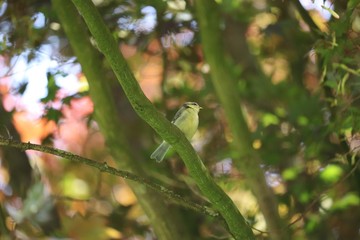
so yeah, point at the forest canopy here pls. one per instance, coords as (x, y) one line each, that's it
(88, 90)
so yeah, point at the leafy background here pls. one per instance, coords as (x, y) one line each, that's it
(297, 74)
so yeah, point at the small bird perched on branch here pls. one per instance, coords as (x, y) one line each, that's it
(187, 120)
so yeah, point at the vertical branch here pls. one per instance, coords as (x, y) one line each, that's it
(247, 159)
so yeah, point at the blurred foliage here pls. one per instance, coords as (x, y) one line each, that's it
(299, 87)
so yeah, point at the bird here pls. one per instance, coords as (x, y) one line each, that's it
(187, 120)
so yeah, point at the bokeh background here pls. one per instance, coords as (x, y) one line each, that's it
(295, 66)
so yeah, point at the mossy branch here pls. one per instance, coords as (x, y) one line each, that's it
(114, 128)
(107, 45)
(246, 159)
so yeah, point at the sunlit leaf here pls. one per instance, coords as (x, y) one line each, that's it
(74, 187)
(331, 173)
(302, 120)
(350, 199)
(112, 233)
(269, 119)
(257, 144)
(290, 173)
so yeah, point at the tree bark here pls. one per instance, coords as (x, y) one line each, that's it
(166, 221)
(246, 160)
(170, 133)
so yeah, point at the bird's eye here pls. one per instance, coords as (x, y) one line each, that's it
(188, 104)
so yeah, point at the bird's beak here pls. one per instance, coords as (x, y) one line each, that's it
(201, 108)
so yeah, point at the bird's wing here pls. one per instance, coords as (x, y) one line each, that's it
(177, 115)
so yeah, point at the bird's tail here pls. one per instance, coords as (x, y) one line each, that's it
(160, 152)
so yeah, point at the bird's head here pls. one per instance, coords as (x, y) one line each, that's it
(192, 105)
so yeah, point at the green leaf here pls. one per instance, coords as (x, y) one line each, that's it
(290, 173)
(331, 83)
(51, 87)
(302, 120)
(331, 173)
(53, 114)
(304, 197)
(312, 223)
(350, 199)
(269, 119)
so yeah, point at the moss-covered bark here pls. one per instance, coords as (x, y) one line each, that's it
(105, 42)
(165, 221)
(224, 82)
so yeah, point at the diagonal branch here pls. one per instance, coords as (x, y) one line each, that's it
(103, 167)
(107, 45)
(114, 126)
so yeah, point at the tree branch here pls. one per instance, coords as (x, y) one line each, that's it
(103, 167)
(170, 133)
(246, 160)
(116, 130)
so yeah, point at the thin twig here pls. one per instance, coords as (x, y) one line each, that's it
(317, 199)
(103, 167)
(260, 231)
(11, 67)
(9, 72)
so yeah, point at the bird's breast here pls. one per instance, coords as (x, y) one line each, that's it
(188, 124)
